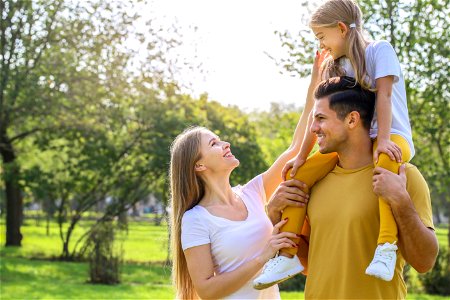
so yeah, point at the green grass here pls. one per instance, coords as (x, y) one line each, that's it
(35, 279)
(143, 276)
(144, 242)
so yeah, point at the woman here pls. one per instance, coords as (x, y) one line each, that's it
(220, 235)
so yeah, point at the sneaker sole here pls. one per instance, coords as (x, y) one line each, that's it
(263, 286)
(379, 276)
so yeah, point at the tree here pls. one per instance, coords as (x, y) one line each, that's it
(275, 129)
(65, 66)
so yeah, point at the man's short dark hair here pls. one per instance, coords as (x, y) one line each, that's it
(346, 95)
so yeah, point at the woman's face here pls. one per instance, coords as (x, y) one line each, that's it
(331, 39)
(216, 155)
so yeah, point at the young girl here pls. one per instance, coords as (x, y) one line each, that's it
(221, 236)
(337, 24)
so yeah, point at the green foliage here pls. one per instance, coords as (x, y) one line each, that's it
(275, 129)
(296, 283)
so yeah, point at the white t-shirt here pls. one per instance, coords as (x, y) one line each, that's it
(233, 243)
(381, 61)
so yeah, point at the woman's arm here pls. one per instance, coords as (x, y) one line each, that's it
(211, 285)
(384, 119)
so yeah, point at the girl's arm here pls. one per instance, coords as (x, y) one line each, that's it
(211, 285)
(384, 119)
(271, 177)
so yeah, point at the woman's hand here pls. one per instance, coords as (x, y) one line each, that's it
(293, 164)
(388, 147)
(278, 241)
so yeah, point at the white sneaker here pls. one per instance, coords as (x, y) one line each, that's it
(383, 263)
(276, 270)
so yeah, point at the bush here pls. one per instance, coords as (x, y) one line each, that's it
(104, 261)
(296, 283)
(437, 281)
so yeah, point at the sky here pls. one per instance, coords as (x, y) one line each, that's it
(230, 42)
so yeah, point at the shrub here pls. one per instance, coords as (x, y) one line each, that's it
(104, 261)
(296, 283)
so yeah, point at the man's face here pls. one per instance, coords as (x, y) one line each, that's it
(331, 132)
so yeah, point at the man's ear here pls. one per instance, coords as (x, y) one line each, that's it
(343, 28)
(353, 119)
(199, 167)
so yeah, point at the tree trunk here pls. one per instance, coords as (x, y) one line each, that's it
(48, 225)
(448, 232)
(66, 254)
(14, 201)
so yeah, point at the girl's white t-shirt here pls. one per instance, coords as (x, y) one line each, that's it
(233, 243)
(382, 61)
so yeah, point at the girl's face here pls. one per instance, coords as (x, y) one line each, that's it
(216, 155)
(332, 39)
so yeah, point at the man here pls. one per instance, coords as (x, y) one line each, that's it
(340, 234)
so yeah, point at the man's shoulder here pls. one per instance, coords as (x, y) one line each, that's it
(412, 170)
(414, 178)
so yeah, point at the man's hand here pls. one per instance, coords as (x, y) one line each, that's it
(291, 192)
(390, 186)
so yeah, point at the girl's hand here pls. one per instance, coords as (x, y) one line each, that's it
(388, 147)
(294, 163)
(318, 60)
(278, 241)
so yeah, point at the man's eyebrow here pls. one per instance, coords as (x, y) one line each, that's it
(318, 115)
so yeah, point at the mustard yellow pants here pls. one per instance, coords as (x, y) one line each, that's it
(318, 165)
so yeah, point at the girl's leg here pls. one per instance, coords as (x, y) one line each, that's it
(383, 263)
(316, 167)
(287, 263)
(388, 227)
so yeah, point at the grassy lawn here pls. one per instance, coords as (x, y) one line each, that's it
(25, 275)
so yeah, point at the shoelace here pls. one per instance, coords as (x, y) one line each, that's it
(269, 266)
(383, 256)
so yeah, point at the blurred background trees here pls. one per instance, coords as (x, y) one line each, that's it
(90, 104)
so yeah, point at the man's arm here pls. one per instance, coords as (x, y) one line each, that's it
(291, 193)
(417, 242)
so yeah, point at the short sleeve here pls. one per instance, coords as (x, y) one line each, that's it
(420, 194)
(385, 61)
(194, 232)
(256, 187)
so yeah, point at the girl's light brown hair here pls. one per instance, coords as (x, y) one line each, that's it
(348, 12)
(186, 189)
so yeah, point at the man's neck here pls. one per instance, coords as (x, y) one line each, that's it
(356, 154)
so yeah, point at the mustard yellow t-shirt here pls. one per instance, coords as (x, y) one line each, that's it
(344, 223)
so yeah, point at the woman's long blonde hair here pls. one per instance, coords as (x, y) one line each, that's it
(348, 12)
(186, 189)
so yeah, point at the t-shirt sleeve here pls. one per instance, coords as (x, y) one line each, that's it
(385, 62)
(194, 232)
(420, 194)
(256, 187)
